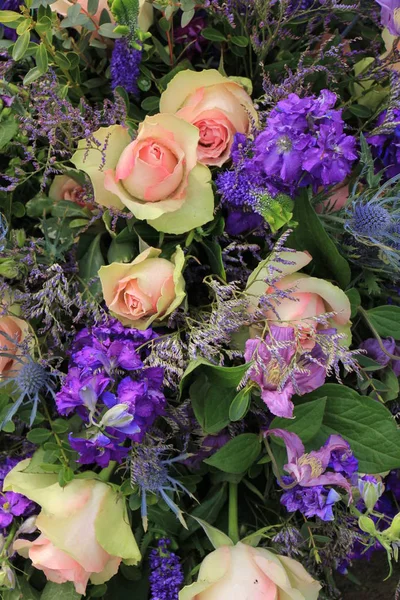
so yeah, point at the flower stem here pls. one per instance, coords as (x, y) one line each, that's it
(106, 473)
(233, 525)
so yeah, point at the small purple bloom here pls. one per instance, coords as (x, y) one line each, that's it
(125, 66)
(99, 449)
(166, 573)
(13, 505)
(80, 391)
(190, 36)
(375, 352)
(317, 501)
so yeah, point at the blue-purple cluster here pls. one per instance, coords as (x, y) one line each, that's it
(386, 145)
(166, 574)
(318, 500)
(125, 66)
(302, 143)
(12, 504)
(108, 385)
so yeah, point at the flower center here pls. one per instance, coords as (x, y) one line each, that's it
(313, 462)
(284, 144)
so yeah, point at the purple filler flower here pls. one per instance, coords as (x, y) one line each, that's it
(390, 15)
(310, 469)
(125, 66)
(317, 501)
(166, 574)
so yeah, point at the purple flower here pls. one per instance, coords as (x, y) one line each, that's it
(375, 352)
(191, 36)
(13, 505)
(6, 466)
(125, 66)
(386, 146)
(99, 449)
(310, 469)
(390, 15)
(80, 391)
(239, 222)
(10, 34)
(272, 369)
(166, 574)
(317, 501)
(304, 143)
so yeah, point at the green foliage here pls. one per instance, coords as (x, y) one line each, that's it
(237, 455)
(386, 320)
(311, 236)
(55, 591)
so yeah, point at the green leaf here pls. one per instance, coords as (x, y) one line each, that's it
(240, 40)
(306, 423)
(55, 591)
(214, 256)
(21, 46)
(360, 111)
(8, 128)
(355, 300)
(237, 455)
(366, 424)
(212, 392)
(151, 104)
(38, 436)
(209, 509)
(311, 236)
(61, 60)
(107, 30)
(240, 405)
(9, 16)
(216, 537)
(93, 6)
(386, 320)
(42, 60)
(32, 75)
(161, 50)
(391, 381)
(213, 35)
(90, 264)
(187, 16)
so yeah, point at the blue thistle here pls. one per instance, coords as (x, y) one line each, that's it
(375, 222)
(125, 66)
(151, 474)
(29, 380)
(166, 574)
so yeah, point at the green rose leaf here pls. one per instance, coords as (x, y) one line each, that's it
(366, 424)
(212, 392)
(237, 455)
(55, 591)
(386, 320)
(306, 423)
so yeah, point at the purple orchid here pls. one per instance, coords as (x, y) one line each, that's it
(390, 15)
(273, 371)
(310, 469)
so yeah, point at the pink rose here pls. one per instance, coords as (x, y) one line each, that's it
(144, 290)
(156, 176)
(309, 297)
(13, 331)
(244, 573)
(218, 106)
(85, 533)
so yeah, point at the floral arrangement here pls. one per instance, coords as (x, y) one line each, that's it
(200, 297)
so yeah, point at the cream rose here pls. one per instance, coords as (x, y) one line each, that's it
(13, 331)
(216, 105)
(145, 290)
(309, 297)
(64, 187)
(156, 176)
(84, 528)
(244, 573)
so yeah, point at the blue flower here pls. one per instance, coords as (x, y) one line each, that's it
(166, 573)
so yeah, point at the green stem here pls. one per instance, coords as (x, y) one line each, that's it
(106, 473)
(9, 539)
(233, 526)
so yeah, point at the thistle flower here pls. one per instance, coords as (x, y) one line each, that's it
(29, 380)
(150, 472)
(166, 574)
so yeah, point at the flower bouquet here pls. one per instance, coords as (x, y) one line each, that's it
(200, 297)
